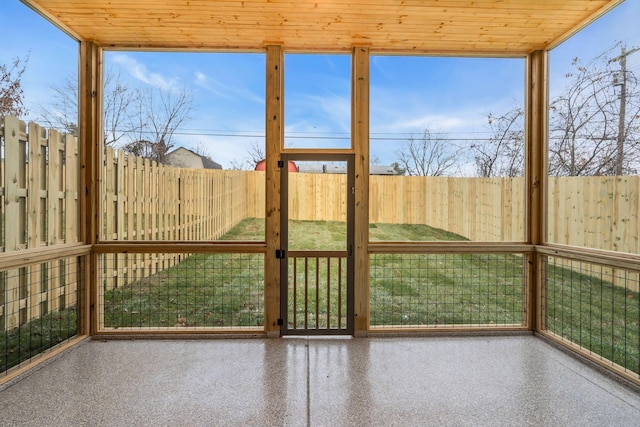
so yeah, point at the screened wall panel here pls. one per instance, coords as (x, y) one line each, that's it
(169, 291)
(447, 148)
(448, 290)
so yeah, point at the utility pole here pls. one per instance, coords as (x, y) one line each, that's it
(623, 107)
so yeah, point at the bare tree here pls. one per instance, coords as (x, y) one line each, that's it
(159, 112)
(201, 150)
(141, 148)
(502, 155)
(584, 122)
(62, 112)
(11, 93)
(427, 155)
(118, 99)
(254, 155)
(140, 121)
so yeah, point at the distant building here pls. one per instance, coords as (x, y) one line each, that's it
(185, 158)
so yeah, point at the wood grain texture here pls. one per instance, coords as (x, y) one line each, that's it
(360, 131)
(536, 179)
(274, 142)
(430, 26)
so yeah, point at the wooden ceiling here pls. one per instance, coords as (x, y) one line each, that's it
(473, 27)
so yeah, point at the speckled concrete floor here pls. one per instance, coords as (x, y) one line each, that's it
(493, 381)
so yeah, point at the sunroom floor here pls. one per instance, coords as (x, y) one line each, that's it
(518, 380)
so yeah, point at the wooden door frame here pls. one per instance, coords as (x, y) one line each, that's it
(349, 158)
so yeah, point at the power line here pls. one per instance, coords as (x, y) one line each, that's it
(318, 137)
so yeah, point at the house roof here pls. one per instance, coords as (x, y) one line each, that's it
(475, 27)
(207, 163)
(210, 164)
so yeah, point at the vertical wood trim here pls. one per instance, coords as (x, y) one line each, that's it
(274, 126)
(536, 176)
(89, 110)
(36, 137)
(72, 168)
(360, 144)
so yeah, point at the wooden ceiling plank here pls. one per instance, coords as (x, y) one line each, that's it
(486, 26)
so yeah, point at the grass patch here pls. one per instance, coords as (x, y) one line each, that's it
(202, 290)
(446, 289)
(411, 232)
(20, 344)
(595, 314)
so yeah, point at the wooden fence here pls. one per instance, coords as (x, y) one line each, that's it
(481, 209)
(593, 212)
(143, 200)
(39, 176)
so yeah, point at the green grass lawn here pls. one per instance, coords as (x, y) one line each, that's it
(27, 341)
(226, 290)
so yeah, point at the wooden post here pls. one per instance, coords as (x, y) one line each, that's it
(536, 178)
(120, 215)
(360, 137)
(53, 214)
(37, 166)
(72, 167)
(15, 192)
(110, 213)
(90, 142)
(274, 126)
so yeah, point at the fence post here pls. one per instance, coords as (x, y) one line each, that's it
(72, 210)
(15, 199)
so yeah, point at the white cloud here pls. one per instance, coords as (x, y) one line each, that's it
(139, 71)
(224, 89)
(437, 121)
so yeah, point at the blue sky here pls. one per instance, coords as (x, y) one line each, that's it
(452, 96)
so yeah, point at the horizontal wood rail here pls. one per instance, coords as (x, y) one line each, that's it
(622, 260)
(448, 247)
(317, 254)
(316, 154)
(17, 259)
(181, 247)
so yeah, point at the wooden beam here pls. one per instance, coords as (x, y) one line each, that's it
(90, 111)
(172, 246)
(360, 137)
(39, 9)
(625, 261)
(449, 248)
(576, 28)
(536, 177)
(274, 136)
(17, 259)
